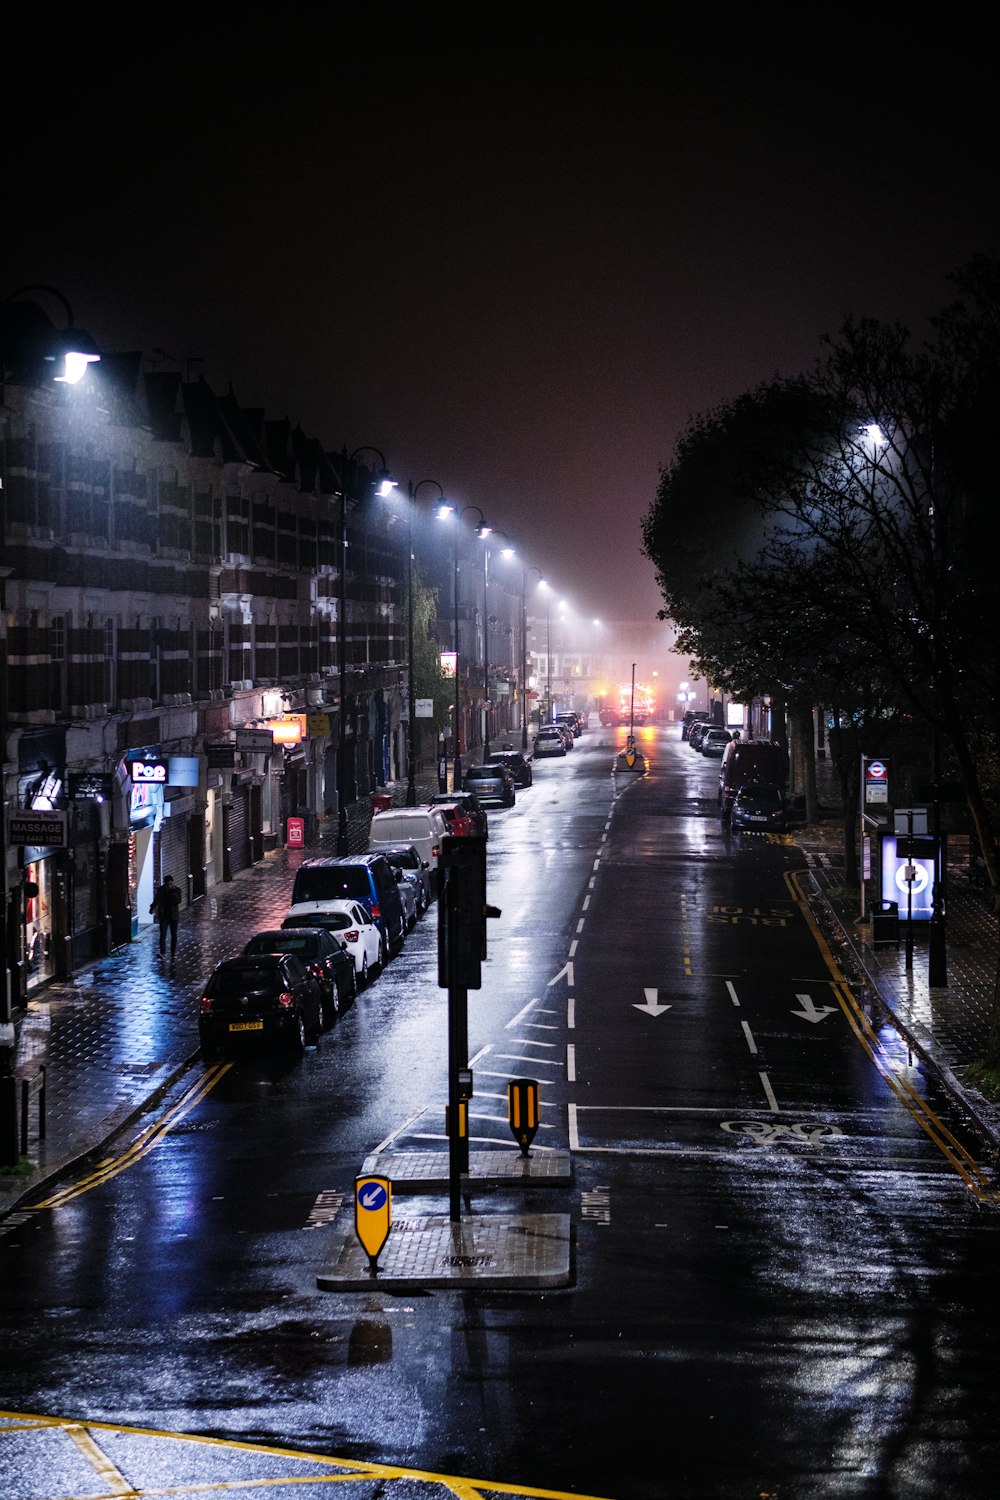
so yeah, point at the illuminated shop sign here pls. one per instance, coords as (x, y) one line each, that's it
(149, 772)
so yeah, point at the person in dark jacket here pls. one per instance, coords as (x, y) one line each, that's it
(166, 908)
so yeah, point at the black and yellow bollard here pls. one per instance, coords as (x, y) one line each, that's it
(522, 1111)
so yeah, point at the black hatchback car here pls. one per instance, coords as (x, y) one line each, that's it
(323, 955)
(269, 995)
(517, 764)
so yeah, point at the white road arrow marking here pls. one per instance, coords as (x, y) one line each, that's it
(811, 1011)
(651, 1007)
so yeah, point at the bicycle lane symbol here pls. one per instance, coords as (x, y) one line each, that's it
(771, 1132)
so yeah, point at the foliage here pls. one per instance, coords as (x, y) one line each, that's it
(830, 538)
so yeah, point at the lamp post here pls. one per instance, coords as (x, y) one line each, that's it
(385, 486)
(506, 551)
(411, 767)
(445, 512)
(524, 650)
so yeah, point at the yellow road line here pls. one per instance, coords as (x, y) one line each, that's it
(99, 1461)
(958, 1157)
(143, 1144)
(462, 1487)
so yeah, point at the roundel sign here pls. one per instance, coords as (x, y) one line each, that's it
(877, 770)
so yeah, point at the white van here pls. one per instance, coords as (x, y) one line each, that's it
(423, 827)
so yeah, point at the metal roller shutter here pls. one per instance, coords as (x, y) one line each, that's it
(239, 831)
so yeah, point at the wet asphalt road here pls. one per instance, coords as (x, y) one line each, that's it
(782, 1284)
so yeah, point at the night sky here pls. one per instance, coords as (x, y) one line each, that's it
(514, 247)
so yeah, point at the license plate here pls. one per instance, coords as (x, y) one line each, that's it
(246, 1025)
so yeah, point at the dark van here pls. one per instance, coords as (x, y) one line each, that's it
(749, 760)
(366, 878)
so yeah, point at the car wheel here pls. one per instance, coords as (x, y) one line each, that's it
(331, 1006)
(297, 1038)
(347, 989)
(383, 955)
(363, 976)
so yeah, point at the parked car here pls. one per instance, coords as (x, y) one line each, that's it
(517, 764)
(759, 806)
(692, 717)
(423, 827)
(271, 995)
(571, 722)
(458, 822)
(408, 896)
(469, 803)
(406, 857)
(714, 742)
(492, 783)
(365, 878)
(351, 924)
(698, 732)
(749, 760)
(569, 738)
(324, 956)
(549, 741)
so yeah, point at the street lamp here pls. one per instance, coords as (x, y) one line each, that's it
(446, 511)
(385, 484)
(524, 650)
(411, 763)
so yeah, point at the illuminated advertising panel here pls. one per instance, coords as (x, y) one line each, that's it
(896, 887)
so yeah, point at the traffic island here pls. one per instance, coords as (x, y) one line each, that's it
(509, 1251)
(424, 1171)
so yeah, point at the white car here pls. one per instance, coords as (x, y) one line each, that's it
(350, 924)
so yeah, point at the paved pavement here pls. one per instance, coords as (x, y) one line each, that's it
(121, 1032)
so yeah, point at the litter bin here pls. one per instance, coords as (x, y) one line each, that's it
(885, 923)
(381, 802)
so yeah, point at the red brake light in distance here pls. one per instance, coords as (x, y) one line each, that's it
(376, 913)
(206, 1005)
(286, 999)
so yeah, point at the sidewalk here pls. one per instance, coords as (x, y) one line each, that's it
(946, 1027)
(118, 1034)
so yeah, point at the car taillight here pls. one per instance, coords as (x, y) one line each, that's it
(376, 913)
(316, 970)
(435, 851)
(352, 936)
(286, 999)
(206, 1005)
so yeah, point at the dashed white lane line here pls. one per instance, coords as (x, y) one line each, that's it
(580, 924)
(571, 1014)
(769, 1094)
(749, 1036)
(571, 1063)
(586, 902)
(572, 948)
(732, 992)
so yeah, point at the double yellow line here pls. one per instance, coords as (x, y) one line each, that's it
(144, 1143)
(970, 1171)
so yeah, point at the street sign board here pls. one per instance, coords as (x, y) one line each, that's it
(255, 741)
(372, 1213)
(911, 821)
(423, 708)
(37, 830)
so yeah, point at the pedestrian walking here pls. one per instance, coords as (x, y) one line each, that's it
(165, 908)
